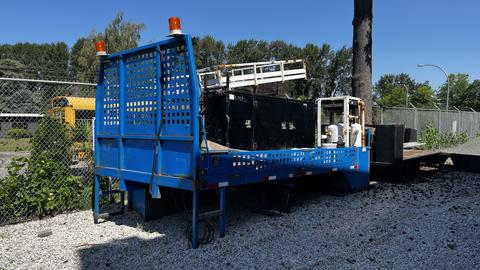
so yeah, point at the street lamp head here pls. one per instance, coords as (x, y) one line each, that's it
(420, 65)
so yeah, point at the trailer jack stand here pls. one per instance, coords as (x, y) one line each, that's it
(97, 194)
(196, 216)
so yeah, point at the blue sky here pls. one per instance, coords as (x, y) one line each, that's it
(405, 33)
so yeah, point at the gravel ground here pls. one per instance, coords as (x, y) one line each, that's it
(469, 148)
(6, 158)
(430, 223)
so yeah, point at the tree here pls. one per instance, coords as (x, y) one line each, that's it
(394, 98)
(84, 61)
(280, 50)
(423, 97)
(339, 72)
(317, 60)
(388, 82)
(208, 51)
(390, 91)
(246, 51)
(38, 61)
(362, 54)
(121, 35)
(459, 91)
(473, 100)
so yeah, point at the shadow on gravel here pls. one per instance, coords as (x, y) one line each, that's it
(247, 205)
(429, 222)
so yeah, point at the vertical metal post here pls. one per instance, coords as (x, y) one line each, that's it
(195, 212)
(319, 123)
(227, 111)
(253, 118)
(415, 116)
(158, 125)
(121, 156)
(223, 209)
(195, 131)
(459, 120)
(122, 201)
(96, 152)
(439, 131)
(346, 126)
(381, 115)
(96, 199)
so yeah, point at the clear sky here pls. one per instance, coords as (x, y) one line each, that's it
(405, 32)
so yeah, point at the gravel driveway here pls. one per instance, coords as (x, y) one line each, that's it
(470, 148)
(430, 223)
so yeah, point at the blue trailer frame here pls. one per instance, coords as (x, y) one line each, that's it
(148, 131)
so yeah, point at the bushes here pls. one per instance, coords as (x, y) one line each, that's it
(433, 140)
(43, 184)
(38, 189)
(18, 133)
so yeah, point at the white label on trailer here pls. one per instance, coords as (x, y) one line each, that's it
(364, 149)
(231, 96)
(290, 175)
(308, 173)
(223, 184)
(272, 177)
(334, 169)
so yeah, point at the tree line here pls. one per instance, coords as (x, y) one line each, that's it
(329, 71)
(400, 90)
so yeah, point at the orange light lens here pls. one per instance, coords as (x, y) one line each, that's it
(100, 46)
(174, 23)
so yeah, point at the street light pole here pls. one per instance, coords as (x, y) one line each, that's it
(406, 95)
(446, 75)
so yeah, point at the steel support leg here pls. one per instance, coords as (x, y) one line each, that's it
(96, 199)
(223, 208)
(122, 201)
(195, 212)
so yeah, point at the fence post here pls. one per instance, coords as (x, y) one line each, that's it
(475, 126)
(381, 115)
(459, 119)
(439, 131)
(415, 116)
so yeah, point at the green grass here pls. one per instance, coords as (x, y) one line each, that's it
(12, 145)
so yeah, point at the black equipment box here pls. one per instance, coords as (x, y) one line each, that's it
(253, 122)
(389, 143)
(410, 135)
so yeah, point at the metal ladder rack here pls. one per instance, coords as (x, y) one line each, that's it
(251, 74)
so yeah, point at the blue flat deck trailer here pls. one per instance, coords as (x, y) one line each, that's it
(149, 128)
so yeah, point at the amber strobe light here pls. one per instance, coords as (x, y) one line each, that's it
(100, 48)
(174, 25)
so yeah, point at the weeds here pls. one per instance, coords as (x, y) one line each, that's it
(434, 140)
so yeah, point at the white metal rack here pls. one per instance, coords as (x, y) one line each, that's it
(251, 74)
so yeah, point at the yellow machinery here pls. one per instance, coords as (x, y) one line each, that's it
(70, 110)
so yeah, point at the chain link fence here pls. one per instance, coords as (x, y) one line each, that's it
(46, 149)
(445, 122)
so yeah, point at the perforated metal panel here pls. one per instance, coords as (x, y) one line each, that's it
(247, 167)
(176, 97)
(149, 129)
(141, 92)
(111, 99)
